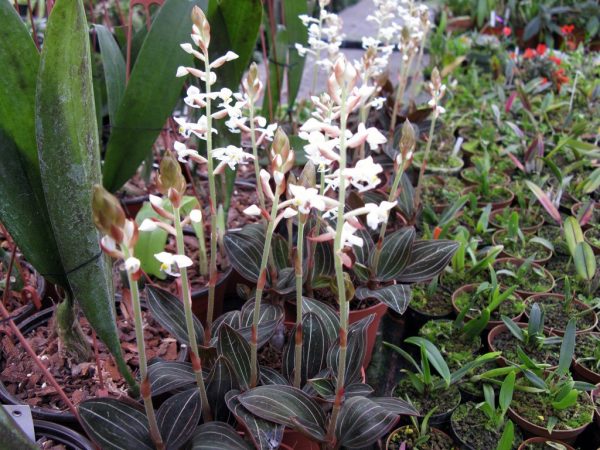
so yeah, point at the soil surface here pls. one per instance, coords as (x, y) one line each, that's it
(511, 307)
(587, 345)
(557, 317)
(453, 345)
(471, 427)
(436, 304)
(409, 434)
(445, 400)
(508, 344)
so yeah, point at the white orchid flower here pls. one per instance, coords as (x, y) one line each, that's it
(370, 135)
(132, 265)
(229, 56)
(252, 210)
(304, 199)
(196, 216)
(230, 156)
(148, 225)
(348, 237)
(364, 176)
(183, 153)
(376, 214)
(168, 261)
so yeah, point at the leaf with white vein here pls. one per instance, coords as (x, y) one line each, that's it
(428, 259)
(178, 417)
(396, 296)
(218, 436)
(395, 254)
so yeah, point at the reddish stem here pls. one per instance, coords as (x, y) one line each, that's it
(97, 356)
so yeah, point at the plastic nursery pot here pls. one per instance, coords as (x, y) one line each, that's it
(518, 262)
(495, 205)
(580, 369)
(504, 178)
(575, 210)
(497, 240)
(436, 431)
(531, 229)
(379, 309)
(562, 435)
(594, 395)
(494, 332)
(40, 288)
(541, 440)
(294, 439)
(469, 288)
(60, 434)
(539, 298)
(200, 297)
(588, 234)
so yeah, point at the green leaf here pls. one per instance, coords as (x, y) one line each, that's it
(11, 434)
(166, 376)
(218, 436)
(506, 392)
(433, 355)
(514, 329)
(114, 69)
(236, 349)
(567, 348)
(567, 401)
(428, 259)
(151, 93)
(573, 234)
(297, 33)
(362, 421)
(67, 137)
(178, 416)
(395, 296)
(23, 208)
(508, 436)
(287, 406)
(262, 432)
(115, 425)
(395, 254)
(323, 261)
(585, 261)
(168, 311)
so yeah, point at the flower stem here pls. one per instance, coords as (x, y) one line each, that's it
(339, 273)
(261, 195)
(399, 95)
(189, 319)
(299, 275)
(260, 286)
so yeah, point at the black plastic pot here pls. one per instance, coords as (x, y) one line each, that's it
(61, 435)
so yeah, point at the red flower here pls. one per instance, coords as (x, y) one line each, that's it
(555, 60)
(567, 29)
(560, 78)
(544, 80)
(529, 53)
(506, 31)
(541, 49)
(436, 232)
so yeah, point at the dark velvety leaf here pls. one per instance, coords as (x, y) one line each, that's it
(178, 417)
(396, 296)
(220, 381)
(267, 312)
(218, 436)
(395, 254)
(115, 425)
(352, 390)
(245, 253)
(286, 281)
(362, 422)
(280, 252)
(357, 338)
(231, 318)
(323, 260)
(264, 434)
(406, 198)
(166, 376)
(315, 344)
(286, 405)
(266, 330)
(428, 259)
(324, 387)
(395, 405)
(168, 310)
(236, 349)
(270, 376)
(326, 313)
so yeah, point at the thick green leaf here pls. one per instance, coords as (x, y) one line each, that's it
(315, 344)
(217, 436)
(297, 34)
(178, 417)
(573, 234)
(236, 349)
(23, 209)
(11, 435)
(508, 436)
(264, 434)
(150, 243)
(395, 296)
(220, 381)
(114, 70)
(395, 254)
(362, 422)
(287, 406)
(166, 376)
(115, 425)
(151, 93)
(428, 259)
(585, 261)
(245, 254)
(67, 137)
(433, 355)
(169, 312)
(567, 348)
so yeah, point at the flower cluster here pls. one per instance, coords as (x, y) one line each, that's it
(540, 63)
(437, 91)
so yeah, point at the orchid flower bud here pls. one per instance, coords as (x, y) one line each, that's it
(108, 213)
(345, 73)
(308, 176)
(282, 156)
(436, 79)
(252, 83)
(170, 177)
(408, 139)
(201, 27)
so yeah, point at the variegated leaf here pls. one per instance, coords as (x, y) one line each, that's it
(280, 252)
(167, 376)
(178, 417)
(395, 405)
(265, 435)
(267, 312)
(221, 380)
(244, 251)
(231, 318)
(326, 313)
(357, 339)
(287, 406)
(265, 331)
(396, 296)
(218, 436)
(236, 349)
(395, 254)
(271, 376)
(323, 259)
(428, 259)
(362, 421)
(168, 311)
(115, 425)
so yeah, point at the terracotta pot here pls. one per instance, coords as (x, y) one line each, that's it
(298, 441)
(541, 440)
(431, 430)
(584, 372)
(132, 205)
(501, 360)
(200, 297)
(496, 205)
(497, 241)
(460, 24)
(538, 298)
(568, 436)
(60, 434)
(531, 229)
(468, 288)
(516, 261)
(379, 309)
(575, 209)
(586, 235)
